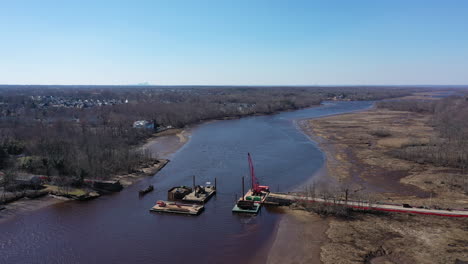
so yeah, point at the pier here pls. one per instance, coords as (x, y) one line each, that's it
(289, 198)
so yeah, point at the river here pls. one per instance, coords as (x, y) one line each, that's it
(119, 228)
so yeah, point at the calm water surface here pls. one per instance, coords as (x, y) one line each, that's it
(119, 229)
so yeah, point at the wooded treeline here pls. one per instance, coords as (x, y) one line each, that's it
(86, 132)
(450, 120)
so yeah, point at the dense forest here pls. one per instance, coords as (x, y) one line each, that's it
(76, 133)
(449, 119)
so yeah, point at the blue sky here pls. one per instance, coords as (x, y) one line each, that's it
(237, 42)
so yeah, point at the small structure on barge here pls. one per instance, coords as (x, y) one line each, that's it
(178, 193)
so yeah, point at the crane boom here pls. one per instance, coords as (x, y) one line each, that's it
(256, 188)
(252, 173)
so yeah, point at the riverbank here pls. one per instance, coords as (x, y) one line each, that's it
(25, 205)
(168, 142)
(161, 144)
(357, 146)
(299, 238)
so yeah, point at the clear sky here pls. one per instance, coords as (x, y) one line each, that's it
(235, 42)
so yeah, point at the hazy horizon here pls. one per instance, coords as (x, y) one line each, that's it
(246, 85)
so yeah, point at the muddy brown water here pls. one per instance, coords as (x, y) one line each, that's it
(119, 229)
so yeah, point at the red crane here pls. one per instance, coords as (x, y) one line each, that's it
(256, 187)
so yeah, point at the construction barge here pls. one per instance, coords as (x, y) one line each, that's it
(186, 200)
(177, 208)
(200, 194)
(196, 194)
(252, 201)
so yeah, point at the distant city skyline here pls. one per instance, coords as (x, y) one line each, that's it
(263, 42)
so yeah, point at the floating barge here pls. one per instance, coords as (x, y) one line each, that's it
(196, 194)
(252, 201)
(249, 207)
(146, 190)
(177, 208)
(253, 210)
(200, 194)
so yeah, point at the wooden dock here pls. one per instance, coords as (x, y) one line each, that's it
(177, 208)
(285, 199)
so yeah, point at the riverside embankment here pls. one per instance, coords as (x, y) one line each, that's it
(162, 145)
